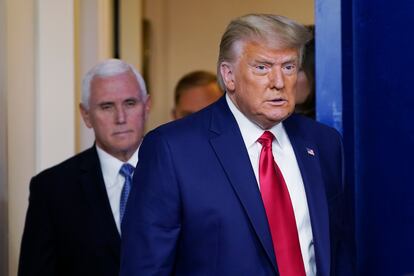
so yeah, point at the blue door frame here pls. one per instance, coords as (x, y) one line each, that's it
(364, 61)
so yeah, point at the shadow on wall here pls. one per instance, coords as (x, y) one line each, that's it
(3, 235)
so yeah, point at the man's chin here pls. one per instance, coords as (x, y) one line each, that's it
(127, 145)
(274, 119)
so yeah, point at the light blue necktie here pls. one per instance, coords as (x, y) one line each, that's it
(126, 171)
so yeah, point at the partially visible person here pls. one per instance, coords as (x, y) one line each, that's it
(75, 208)
(305, 87)
(244, 186)
(195, 91)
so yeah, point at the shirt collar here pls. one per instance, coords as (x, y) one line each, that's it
(251, 131)
(110, 165)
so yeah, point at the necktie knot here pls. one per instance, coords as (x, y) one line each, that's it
(126, 170)
(266, 139)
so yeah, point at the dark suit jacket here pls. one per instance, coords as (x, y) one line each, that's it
(69, 227)
(195, 207)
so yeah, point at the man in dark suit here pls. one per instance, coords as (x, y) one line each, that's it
(75, 208)
(242, 187)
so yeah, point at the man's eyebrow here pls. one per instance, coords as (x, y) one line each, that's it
(131, 99)
(105, 103)
(269, 60)
(290, 59)
(263, 60)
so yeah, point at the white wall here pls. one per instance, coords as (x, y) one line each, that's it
(185, 36)
(3, 146)
(39, 66)
(21, 138)
(55, 82)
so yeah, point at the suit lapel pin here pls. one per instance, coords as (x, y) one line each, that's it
(310, 151)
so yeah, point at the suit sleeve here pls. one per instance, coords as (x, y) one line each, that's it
(152, 223)
(37, 253)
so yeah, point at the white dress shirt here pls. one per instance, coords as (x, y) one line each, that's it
(114, 181)
(286, 160)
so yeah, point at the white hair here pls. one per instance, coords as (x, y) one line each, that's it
(109, 68)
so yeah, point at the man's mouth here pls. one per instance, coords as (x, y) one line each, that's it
(122, 132)
(277, 101)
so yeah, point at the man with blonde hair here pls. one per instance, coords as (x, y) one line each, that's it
(243, 187)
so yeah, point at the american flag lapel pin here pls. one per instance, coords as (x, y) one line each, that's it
(310, 151)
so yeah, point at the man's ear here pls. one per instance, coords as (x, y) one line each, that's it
(85, 115)
(227, 73)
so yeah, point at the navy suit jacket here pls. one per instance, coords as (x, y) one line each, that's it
(195, 207)
(69, 227)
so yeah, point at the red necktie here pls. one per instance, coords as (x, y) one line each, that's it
(279, 212)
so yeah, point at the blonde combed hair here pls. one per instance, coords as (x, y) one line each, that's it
(286, 32)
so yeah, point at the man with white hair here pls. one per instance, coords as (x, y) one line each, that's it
(76, 208)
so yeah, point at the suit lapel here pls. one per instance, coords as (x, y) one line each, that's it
(93, 186)
(230, 149)
(308, 160)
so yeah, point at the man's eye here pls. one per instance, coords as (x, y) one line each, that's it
(106, 106)
(261, 68)
(131, 103)
(289, 68)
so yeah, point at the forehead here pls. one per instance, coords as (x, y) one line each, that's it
(119, 86)
(265, 51)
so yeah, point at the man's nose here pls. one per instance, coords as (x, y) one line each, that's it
(276, 79)
(120, 115)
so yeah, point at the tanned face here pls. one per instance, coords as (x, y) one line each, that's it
(261, 82)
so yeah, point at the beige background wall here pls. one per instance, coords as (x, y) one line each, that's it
(40, 99)
(185, 36)
(20, 93)
(55, 81)
(3, 146)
